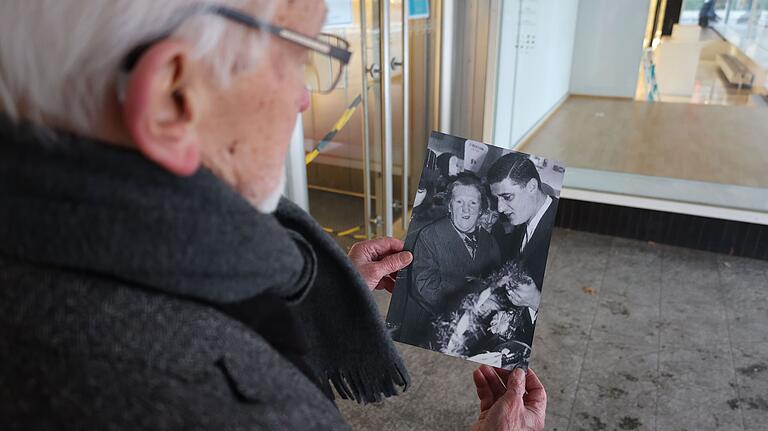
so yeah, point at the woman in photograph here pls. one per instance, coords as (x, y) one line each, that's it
(448, 254)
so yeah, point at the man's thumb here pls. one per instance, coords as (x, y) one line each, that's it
(395, 262)
(516, 383)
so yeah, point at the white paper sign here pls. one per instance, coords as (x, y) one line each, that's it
(339, 13)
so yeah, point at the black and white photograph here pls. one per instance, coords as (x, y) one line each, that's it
(479, 232)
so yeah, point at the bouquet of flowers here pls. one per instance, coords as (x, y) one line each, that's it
(485, 323)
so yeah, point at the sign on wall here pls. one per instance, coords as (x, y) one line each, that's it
(418, 9)
(339, 13)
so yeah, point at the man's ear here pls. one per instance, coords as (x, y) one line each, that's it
(532, 185)
(159, 109)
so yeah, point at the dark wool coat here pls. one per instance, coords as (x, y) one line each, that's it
(133, 299)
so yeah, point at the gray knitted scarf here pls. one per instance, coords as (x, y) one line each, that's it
(78, 204)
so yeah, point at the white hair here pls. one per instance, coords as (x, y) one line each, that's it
(60, 59)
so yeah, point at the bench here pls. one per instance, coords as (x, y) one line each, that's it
(735, 71)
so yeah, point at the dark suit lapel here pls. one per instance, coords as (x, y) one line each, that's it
(454, 242)
(543, 232)
(515, 241)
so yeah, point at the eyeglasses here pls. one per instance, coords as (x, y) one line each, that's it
(328, 56)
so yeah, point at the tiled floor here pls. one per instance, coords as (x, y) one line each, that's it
(631, 336)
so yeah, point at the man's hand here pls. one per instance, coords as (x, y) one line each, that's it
(378, 261)
(525, 294)
(520, 406)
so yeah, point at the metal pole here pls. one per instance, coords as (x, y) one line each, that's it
(366, 132)
(446, 66)
(386, 116)
(406, 115)
(492, 71)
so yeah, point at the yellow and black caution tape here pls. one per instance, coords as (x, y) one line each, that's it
(336, 128)
(347, 232)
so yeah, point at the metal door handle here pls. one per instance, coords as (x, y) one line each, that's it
(386, 117)
(373, 70)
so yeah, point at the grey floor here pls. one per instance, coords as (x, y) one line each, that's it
(631, 336)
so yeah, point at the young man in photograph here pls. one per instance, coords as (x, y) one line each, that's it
(516, 184)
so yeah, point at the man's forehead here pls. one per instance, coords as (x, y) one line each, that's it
(304, 16)
(504, 185)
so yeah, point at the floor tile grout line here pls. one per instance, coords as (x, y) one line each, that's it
(730, 341)
(589, 334)
(659, 329)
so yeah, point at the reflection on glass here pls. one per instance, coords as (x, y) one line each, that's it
(322, 72)
(336, 177)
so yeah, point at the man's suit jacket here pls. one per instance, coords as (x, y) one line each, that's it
(533, 258)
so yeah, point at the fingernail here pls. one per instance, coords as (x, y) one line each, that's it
(407, 257)
(519, 375)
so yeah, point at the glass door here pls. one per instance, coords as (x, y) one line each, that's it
(365, 141)
(341, 129)
(415, 47)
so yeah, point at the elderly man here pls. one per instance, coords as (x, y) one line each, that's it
(515, 183)
(446, 253)
(150, 275)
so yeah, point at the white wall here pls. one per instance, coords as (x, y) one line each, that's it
(608, 47)
(296, 169)
(535, 57)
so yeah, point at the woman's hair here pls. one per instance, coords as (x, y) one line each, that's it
(60, 59)
(467, 179)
